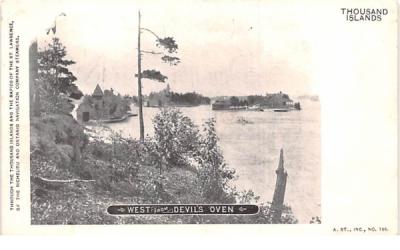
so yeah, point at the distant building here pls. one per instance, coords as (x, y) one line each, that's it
(221, 105)
(83, 112)
(101, 105)
(276, 100)
(92, 107)
(97, 93)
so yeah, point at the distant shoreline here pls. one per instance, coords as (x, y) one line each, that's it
(178, 106)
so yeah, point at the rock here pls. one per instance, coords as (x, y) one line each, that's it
(59, 138)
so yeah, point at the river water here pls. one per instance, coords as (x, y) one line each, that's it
(253, 150)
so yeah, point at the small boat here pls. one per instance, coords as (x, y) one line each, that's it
(255, 108)
(119, 118)
(243, 121)
(281, 110)
(115, 119)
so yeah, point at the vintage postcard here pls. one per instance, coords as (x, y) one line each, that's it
(199, 112)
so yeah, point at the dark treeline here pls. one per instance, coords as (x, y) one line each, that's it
(191, 98)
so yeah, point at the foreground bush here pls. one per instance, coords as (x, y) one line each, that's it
(180, 144)
(213, 173)
(176, 138)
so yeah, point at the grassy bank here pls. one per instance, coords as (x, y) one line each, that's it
(179, 165)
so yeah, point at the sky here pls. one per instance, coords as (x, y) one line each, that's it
(225, 48)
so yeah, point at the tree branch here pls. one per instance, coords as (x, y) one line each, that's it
(152, 52)
(62, 181)
(151, 32)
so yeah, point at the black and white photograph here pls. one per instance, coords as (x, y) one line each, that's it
(203, 107)
(260, 116)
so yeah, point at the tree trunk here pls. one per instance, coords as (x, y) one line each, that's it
(139, 74)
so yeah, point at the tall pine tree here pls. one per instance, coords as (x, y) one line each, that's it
(54, 78)
(53, 68)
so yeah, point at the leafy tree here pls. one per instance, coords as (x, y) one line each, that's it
(188, 99)
(255, 99)
(53, 68)
(213, 173)
(176, 138)
(172, 60)
(154, 75)
(179, 143)
(53, 78)
(243, 103)
(234, 101)
(167, 43)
